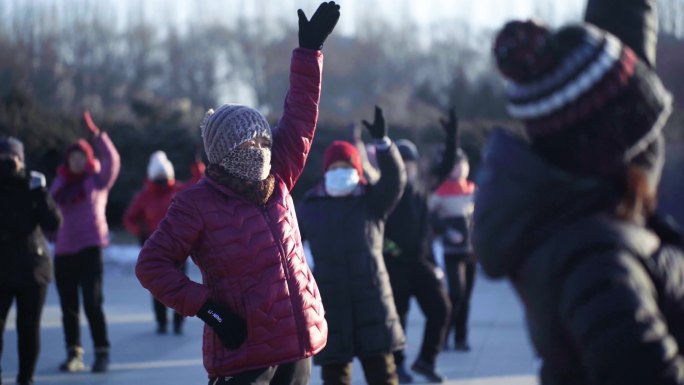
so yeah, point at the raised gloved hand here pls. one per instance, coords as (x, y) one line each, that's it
(37, 181)
(450, 126)
(228, 326)
(312, 33)
(89, 124)
(378, 130)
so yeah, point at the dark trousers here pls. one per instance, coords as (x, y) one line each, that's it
(461, 277)
(425, 281)
(82, 270)
(160, 311)
(296, 373)
(30, 301)
(378, 370)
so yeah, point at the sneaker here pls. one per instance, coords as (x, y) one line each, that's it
(101, 363)
(428, 371)
(462, 346)
(74, 362)
(403, 375)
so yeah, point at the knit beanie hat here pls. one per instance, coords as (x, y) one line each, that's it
(589, 104)
(340, 150)
(160, 167)
(12, 146)
(408, 150)
(228, 127)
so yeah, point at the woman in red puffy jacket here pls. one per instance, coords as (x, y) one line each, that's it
(263, 311)
(148, 208)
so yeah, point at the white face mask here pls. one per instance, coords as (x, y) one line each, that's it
(341, 182)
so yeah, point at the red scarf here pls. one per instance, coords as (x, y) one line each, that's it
(456, 187)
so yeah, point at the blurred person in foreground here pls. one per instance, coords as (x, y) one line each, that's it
(25, 270)
(261, 306)
(452, 206)
(409, 257)
(343, 218)
(567, 216)
(148, 207)
(81, 190)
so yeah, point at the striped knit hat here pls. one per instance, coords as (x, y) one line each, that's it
(585, 98)
(228, 127)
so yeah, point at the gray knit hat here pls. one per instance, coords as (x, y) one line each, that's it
(230, 126)
(13, 146)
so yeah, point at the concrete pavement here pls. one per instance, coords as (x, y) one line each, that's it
(501, 353)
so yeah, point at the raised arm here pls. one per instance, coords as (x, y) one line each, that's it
(635, 22)
(387, 191)
(610, 308)
(369, 171)
(158, 267)
(109, 158)
(448, 160)
(294, 133)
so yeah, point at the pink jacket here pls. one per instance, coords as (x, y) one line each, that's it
(250, 256)
(85, 223)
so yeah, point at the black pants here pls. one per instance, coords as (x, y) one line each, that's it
(378, 370)
(160, 311)
(423, 280)
(461, 277)
(30, 301)
(296, 373)
(82, 270)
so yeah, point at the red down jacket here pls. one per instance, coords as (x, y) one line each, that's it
(250, 256)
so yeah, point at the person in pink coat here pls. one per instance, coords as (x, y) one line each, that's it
(81, 189)
(258, 298)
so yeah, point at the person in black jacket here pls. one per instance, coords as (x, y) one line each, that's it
(568, 215)
(25, 269)
(343, 218)
(409, 258)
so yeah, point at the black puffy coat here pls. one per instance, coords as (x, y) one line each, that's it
(24, 255)
(346, 237)
(604, 299)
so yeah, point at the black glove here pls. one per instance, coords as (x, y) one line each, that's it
(378, 130)
(451, 126)
(230, 329)
(312, 33)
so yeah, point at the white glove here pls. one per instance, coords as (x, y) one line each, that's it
(37, 181)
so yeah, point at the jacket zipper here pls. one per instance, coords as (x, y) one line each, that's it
(283, 262)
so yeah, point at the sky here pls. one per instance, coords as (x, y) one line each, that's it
(488, 14)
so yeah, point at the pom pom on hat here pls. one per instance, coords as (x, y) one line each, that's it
(520, 50)
(160, 167)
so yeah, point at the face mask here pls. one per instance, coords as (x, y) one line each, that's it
(341, 182)
(252, 164)
(161, 182)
